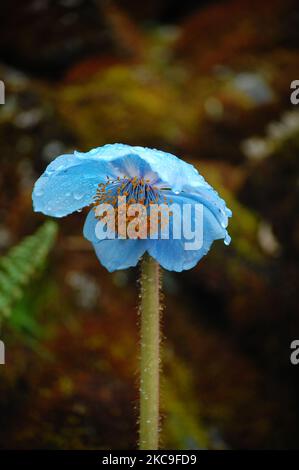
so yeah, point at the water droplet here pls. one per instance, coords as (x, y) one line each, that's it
(78, 196)
(224, 223)
(227, 239)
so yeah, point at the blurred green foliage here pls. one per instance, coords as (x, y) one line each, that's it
(19, 267)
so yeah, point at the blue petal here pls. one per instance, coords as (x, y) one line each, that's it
(172, 255)
(132, 165)
(119, 254)
(209, 197)
(171, 169)
(68, 184)
(113, 254)
(90, 226)
(89, 230)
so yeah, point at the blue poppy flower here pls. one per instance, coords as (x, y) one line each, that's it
(72, 182)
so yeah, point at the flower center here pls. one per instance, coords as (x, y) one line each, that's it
(135, 190)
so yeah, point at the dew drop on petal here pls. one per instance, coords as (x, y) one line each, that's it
(78, 196)
(227, 239)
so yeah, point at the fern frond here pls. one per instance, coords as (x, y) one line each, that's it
(22, 263)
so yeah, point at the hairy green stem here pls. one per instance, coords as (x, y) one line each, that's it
(150, 358)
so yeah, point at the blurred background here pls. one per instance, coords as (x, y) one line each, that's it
(210, 82)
